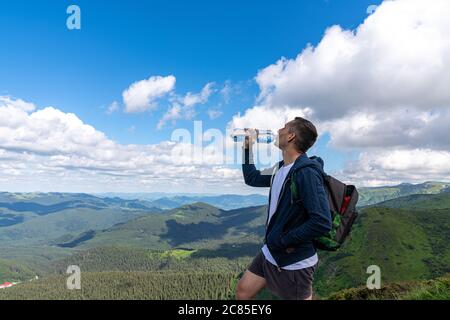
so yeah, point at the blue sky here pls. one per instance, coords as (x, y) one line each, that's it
(120, 43)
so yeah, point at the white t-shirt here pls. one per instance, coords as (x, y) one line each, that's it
(277, 184)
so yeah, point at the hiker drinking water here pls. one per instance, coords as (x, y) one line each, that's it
(288, 258)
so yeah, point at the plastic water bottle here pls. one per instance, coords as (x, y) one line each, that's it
(260, 136)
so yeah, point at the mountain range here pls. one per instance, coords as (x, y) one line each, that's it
(41, 233)
(372, 195)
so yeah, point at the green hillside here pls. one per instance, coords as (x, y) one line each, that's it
(406, 237)
(420, 201)
(66, 224)
(406, 243)
(129, 285)
(197, 226)
(36, 258)
(14, 271)
(137, 259)
(435, 289)
(174, 200)
(225, 202)
(82, 220)
(45, 203)
(372, 195)
(193, 285)
(28, 219)
(133, 273)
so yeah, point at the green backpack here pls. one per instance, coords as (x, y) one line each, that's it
(342, 199)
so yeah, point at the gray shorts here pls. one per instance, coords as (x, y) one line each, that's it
(286, 284)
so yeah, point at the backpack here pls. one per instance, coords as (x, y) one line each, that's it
(342, 199)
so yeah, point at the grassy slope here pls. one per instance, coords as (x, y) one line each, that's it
(372, 195)
(13, 271)
(46, 218)
(436, 289)
(65, 224)
(226, 202)
(34, 260)
(197, 286)
(407, 244)
(136, 259)
(419, 201)
(129, 285)
(198, 226)
(126, 273)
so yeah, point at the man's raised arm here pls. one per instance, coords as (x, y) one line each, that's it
(252, 176)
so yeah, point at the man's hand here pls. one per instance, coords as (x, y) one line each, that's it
(249, 140)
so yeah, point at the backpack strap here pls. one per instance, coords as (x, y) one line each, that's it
(294, 187)
(295, 193)
(331, 195)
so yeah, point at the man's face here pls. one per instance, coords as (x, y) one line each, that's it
(284, 137)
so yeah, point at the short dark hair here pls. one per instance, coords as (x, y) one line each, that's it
(305, 133)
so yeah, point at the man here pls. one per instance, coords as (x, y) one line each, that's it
(288, 259)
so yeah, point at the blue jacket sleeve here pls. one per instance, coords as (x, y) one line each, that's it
(315, 201)
(252, 176)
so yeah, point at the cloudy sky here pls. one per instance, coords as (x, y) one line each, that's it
(142, 98)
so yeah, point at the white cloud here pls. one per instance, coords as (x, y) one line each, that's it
(16, 104)
(172, 114)
(399, 128)
(384, 84)
(47, 131)
(49, 150)
(113, 107)
(232, 90)
(142, 95)
(264, 117)
(397, 166)
(226, 91)
(381, 89)
(183, 107)
(214, 113)
(399, 57)
(191, 99)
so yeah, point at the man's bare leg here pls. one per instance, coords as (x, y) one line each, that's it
(249, 286)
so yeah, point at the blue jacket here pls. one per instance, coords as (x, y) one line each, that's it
(294, 225)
